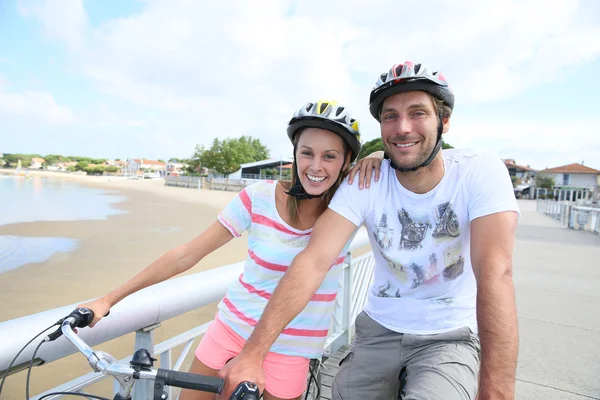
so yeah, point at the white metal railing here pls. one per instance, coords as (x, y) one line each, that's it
(143, 312)
(571, 216)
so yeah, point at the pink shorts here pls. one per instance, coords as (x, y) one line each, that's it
(285, 375)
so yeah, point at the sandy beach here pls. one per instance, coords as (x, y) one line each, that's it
(110, 251)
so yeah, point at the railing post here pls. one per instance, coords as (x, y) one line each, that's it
(570, 221)
(347, 302)
(165, 362)
(144, 339)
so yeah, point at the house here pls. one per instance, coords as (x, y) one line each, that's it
(523, 178)
(525, 174)
(66, 165)
(36, 163)
(115, 163)
(139, 166)
(574, 181)
(175, 168)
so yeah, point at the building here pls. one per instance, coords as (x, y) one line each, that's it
(140, 166)
(524, 173)
(36, 163)
(253, 170)
(523, 178)
(574, 181)
(175, 168)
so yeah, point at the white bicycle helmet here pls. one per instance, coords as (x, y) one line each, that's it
(408, 77)
(328, 115)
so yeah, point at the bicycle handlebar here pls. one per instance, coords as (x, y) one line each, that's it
(186, 380)
(105, 363)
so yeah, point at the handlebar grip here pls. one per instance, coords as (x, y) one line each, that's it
(82, 316)
(246, 391)
(186, 380)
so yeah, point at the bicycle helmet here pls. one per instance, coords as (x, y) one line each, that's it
(329, 115)
(409, 77)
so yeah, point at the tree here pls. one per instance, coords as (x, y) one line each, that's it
(13, 159)
(2, 162)
(225, 156)
(369, 147)
(81, 166)
(377, 145)
(52, 159)
(544, 182)
(515, 181)
(446, 146)
(194, 162)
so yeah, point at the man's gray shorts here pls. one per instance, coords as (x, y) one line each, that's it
(441, 366)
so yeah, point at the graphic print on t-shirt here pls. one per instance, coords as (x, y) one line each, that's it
(437, 231)
(383, 235)
(447, 222)
(454, 261)
(399, 270)
(413, 233)
(384, 291)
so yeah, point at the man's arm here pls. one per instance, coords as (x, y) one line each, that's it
(492, 239)
(294, 291)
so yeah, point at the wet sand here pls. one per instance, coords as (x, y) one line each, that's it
(110, 252)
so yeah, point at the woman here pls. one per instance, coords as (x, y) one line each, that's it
(279, 217)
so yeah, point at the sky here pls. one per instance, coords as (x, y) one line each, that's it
(154, 78)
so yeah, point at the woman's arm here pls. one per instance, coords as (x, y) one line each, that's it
(174, 262)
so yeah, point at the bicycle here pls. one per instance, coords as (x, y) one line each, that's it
(140, 367)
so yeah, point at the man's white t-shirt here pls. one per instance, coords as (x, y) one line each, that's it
(424, 282)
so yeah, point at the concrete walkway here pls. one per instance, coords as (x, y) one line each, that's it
(557, 279)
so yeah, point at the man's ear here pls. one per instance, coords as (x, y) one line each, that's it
(445, 124)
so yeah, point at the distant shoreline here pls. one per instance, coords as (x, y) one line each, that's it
(109, 252)
(62, 175)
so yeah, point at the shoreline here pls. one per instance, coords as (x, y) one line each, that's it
(109, 252)
(167, 215)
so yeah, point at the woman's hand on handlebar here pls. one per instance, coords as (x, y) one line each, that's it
(100, 307)
(241, 369)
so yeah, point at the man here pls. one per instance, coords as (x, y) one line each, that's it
(441, 226)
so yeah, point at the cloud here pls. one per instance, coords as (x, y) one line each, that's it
(34, 106)
(237, 67)
(66, 21)
(540, 143)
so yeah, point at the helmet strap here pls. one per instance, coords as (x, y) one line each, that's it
(298, 190)
(429, 160)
